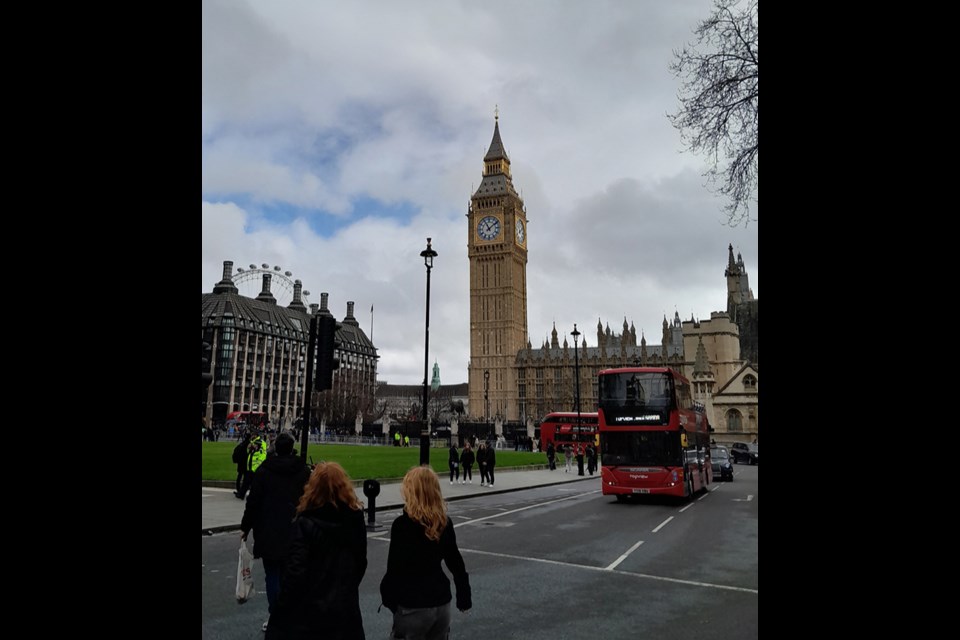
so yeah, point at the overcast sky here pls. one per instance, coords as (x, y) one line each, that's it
(338, 136)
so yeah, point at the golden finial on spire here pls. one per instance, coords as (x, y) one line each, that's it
(496, 112)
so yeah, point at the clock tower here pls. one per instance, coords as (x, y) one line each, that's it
(497, 249)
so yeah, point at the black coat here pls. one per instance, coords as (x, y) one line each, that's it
(414, 577)
(320, 587)
(491, 457)
(240, 455)
(454, 455)
(272, 504)
(467, 457)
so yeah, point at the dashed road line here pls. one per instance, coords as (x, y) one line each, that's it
(611, 567)
(662, 524)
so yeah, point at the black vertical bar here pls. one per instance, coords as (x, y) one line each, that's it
(308, 388)
(424, 435)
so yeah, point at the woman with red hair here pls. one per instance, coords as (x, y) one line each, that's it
(320, 587)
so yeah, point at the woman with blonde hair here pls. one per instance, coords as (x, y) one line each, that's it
(320, 587)
(415, 588)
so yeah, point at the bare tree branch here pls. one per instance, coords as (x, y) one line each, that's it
(719, 102)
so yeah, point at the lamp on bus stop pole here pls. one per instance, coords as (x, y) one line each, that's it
(576, 371)
(428, 255)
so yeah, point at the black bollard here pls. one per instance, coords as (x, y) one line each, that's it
(371, 489)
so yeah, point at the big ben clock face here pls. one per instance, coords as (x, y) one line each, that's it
(488, 228)
(521, 234)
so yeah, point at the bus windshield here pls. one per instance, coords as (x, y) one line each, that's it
(632, 389)
(644, 448)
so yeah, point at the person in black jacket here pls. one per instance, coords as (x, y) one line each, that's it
(415, 588)
(454, 463)
(466, 461)
(551, 456)
(320, 590)
(240, 458)
(274, 493)
(491, 463)
(482, 463)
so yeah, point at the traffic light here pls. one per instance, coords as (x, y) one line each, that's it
(206, 356)
(326, 346)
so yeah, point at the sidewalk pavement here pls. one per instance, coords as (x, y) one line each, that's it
(222, 511)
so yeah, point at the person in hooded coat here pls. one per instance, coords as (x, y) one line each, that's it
(320, 591)
(274, 493)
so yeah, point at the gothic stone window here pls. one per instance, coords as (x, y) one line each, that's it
(734, 420)
(749, 382)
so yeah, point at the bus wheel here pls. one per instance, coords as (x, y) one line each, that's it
(689, 487)
(620, 497)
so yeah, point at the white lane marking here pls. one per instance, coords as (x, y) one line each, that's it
(686, 507)
(715, 488)
(749, 498)
(530, 506)
(702, 497)
(693, 583)
(624, 556)
(662, 524)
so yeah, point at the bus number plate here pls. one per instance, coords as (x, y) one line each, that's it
(641, 490)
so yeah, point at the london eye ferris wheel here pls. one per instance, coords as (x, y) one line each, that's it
(249, 283)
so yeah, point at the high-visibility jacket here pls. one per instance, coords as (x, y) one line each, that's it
(259, 454)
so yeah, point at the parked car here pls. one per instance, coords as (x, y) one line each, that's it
(722, 467)
(744, 453)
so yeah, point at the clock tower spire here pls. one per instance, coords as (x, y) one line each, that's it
(497, 250)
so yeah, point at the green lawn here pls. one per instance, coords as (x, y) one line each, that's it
(361, 462)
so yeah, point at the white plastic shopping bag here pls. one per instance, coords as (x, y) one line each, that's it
(244, 574)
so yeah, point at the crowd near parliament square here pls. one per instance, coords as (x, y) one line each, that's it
(587, 462)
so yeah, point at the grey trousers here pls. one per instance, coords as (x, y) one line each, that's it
(431, 623)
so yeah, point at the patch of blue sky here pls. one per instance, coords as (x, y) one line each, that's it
(324, 224)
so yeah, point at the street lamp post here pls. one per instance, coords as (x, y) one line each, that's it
(576, 369)
(428, 255)
(486, 402)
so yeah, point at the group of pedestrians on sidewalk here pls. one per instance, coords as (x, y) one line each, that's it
(569, 454)
(485, 457)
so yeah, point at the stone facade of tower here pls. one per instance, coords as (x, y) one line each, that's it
(497, 250)
(721, 342)
(743, 308)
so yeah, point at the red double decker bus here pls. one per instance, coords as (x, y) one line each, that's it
(249, 418)
(561, 428)
(654, 437)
